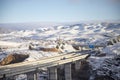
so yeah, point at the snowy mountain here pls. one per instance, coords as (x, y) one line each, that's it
(47, 36)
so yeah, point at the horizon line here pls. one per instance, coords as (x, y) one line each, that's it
(82, 21)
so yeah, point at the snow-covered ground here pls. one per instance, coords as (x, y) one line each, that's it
(95, 33)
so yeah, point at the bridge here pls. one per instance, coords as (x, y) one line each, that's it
(49, 64)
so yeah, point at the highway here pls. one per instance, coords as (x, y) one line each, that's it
(88, 46)
(28, 66)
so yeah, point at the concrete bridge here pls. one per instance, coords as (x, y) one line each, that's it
(48, 64)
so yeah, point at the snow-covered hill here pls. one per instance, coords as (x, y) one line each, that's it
(92, 33)
(47, 36)
(77, 32)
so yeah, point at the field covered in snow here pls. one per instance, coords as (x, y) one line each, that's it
(16, 40)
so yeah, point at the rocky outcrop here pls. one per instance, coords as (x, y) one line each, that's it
(44, 49)
(109, 69)
(75, 47)
(50, 49)
(101, 55)
(13, 58)
(103, 78)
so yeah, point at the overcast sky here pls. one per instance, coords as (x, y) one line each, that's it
(15, 11)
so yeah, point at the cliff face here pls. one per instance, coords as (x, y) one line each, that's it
(13, 58)
(110, 68)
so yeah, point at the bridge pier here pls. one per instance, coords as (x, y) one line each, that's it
(4, 77)
(34, 75)
(61, 75)
(77, 65)
(68, 71)
(52, 73)
(30, 76)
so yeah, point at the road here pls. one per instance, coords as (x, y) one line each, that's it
(28, 66)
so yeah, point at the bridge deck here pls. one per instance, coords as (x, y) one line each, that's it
(24, 67)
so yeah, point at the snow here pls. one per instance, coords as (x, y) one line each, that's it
(19, 40)
(47, 36)
(115, 49)
(9, 44)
